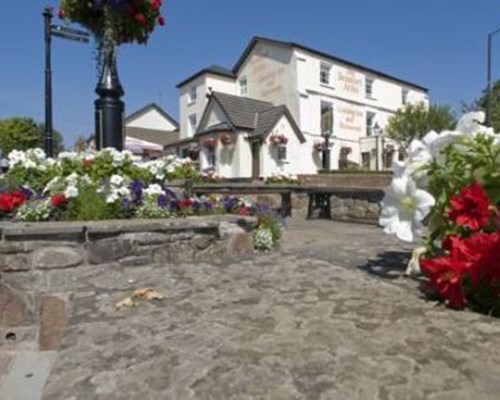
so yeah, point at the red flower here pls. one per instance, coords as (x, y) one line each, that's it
(61, 14)
(470, 208)
(446, 275)
(161, 20)
(244, 211)
(9, 202)
(87, 163)
(140, 19)
(185, 203)
(58, 200)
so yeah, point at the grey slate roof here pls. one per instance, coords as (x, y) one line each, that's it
(241, 111)
(257, 117)
(212, 69)
(155, 136)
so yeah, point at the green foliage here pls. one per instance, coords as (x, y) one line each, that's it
(482, 102)
(416, 120)
(90, 205)
(24, 134)
(460, 166)
(269, 220)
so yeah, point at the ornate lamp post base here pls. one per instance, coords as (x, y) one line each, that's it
(109, 109)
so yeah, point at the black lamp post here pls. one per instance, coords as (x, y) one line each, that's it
(326, 152)
(377, 131)
(65, 33)
(488, 78)
(109, 109)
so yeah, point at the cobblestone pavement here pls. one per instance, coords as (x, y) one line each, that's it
(327, 317)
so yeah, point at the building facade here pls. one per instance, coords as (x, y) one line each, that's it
(325, 95)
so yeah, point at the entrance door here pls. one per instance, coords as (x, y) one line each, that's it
(255, 159)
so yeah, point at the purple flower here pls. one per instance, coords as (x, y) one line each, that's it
(174, 205)
(27, 193)
(162, 201)
(136, 189)
(170, 193)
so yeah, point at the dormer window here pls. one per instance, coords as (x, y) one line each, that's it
(324, 74)
(192, 94)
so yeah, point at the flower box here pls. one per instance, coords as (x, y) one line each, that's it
(276, 140)
(209, 143)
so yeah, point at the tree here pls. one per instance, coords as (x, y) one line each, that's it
(415, 120)
(23, 134)
(482, 104)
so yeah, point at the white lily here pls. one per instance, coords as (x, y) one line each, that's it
(404, 207)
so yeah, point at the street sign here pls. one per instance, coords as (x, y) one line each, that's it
(70, 34)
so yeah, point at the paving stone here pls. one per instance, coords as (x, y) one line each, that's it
(14, 308)
(53, 322)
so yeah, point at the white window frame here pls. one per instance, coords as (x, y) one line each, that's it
(192, 94)
(192, 124)
(404, 96)
(369, 83)
(281, 153)
(327, 104)
(370, 123)
(325, 74)
(211, 158)
(243, 86)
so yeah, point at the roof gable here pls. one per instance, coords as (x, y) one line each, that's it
(151, 116)
(267, 121)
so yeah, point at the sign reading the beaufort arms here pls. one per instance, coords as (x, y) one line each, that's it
(349, 82)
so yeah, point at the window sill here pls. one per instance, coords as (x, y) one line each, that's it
(190, 103)
(326, 86)
(370, 98)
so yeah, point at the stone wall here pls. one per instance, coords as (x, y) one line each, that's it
(347, 204)
(40, 262)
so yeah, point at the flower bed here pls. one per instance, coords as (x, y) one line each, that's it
(451, 180)
(105, 185)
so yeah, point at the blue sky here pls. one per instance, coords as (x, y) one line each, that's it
(440, 44)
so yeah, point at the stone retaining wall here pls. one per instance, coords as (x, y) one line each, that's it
(41, 262)
(349, 205)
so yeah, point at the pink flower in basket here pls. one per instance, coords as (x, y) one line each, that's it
(226, 139)
(276, 140)
(210, 142)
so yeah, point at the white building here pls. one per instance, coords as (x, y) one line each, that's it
(323, 94)
(149, 129)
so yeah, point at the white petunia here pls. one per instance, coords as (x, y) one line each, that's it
(71, 191)
(116, 180)
(153, 189)
(404, 207)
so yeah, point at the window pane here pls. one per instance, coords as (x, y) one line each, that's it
(326, 118)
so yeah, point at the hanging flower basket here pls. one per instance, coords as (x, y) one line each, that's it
(277, 140)
(114, 22)
(209, 143)
(320, 145)
(227, 139)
